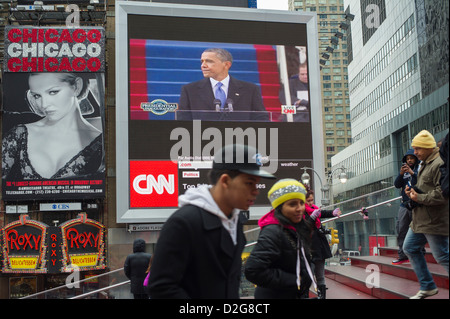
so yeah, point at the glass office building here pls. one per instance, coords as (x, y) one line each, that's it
(398, 68)
(398, 86)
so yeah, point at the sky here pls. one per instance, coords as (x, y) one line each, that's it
(272, 4)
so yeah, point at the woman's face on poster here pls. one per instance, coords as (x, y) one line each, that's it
(52, 95)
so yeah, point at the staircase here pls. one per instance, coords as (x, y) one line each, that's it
(395, 281)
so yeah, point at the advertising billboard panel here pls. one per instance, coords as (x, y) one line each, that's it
(30, 246)
(168, 121)
(53, 113)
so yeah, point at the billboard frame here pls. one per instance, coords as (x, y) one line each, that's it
(124, 214)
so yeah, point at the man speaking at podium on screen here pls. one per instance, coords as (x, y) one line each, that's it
(220, 96)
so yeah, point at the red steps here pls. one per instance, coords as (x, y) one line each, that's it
(337, 290)
(395, 281)
(392, 253)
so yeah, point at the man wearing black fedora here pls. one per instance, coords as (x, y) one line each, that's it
(198, 253)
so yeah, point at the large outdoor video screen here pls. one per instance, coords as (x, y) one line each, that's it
(170, 122)
(53, 113)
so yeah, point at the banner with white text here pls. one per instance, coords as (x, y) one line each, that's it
(53, 113)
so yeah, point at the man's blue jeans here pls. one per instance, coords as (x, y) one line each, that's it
(413, 245)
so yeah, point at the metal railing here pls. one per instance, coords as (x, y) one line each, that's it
(72, 286)
(379, 200)
(82, 296)
(355, 232)
(353, 212)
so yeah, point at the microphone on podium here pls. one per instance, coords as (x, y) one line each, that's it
(217, 104)
(229, 104)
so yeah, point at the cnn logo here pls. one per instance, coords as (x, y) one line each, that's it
(288, 109)
(153, 184)
(150, 184)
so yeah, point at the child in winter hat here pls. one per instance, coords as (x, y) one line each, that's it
(284, 190)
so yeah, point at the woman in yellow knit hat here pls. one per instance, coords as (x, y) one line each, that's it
(280, 262)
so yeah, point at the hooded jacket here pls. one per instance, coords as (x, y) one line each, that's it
(198, 253)
(431, 216)
(272, 265)
(136, 265)
(402, 180)
(201, 197)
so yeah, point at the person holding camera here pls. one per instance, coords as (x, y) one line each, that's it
(407, 176)
(430, 216)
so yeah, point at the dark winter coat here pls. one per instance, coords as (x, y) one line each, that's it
(443, 152)
(273, 261)
(402, 180)
(320, 248)
(195, 257)
(136, 265)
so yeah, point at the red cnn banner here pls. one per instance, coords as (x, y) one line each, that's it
(153, 184)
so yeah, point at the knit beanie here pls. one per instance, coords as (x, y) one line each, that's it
(424, 140)
(284, 190)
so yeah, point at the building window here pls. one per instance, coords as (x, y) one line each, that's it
(385, 146)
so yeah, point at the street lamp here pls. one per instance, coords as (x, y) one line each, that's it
(305, 177)
(324, 188)
(342, 176)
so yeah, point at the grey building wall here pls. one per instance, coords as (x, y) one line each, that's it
(417, 99)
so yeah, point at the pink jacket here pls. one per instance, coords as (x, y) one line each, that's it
(269, 219)
(309, 210)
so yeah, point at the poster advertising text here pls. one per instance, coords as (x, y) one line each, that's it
(53, 113)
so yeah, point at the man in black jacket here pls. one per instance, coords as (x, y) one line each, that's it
(245, 97)
(135, 268)
(198, 253)
(298, 89)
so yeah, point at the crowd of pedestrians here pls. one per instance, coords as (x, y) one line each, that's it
(198, 253)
